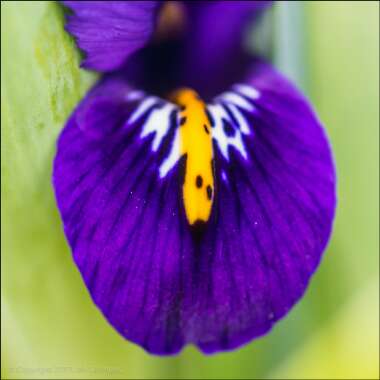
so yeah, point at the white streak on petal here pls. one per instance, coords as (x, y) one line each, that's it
(248, 91)
(158, 122)
(240, 118)
(142, 108)
(236, 99)
(173, 157)
(217, 113)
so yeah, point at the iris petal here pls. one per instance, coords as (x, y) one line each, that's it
(214, 43)
(274, 211)
(110, 31)
(121, 220)
(160, 283)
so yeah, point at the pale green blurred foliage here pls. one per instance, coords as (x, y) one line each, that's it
(50, 327)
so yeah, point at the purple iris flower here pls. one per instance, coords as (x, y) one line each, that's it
(195, 183)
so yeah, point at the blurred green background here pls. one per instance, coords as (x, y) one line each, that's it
(50, 327)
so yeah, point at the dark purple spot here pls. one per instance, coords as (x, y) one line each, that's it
(199, 181)
(209, 192)
(228, 129)
(182, 120)
(206, 129)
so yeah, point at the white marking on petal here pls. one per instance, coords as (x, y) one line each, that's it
(172, 158)
(218, 113)
(158, 122)
(248, 91)
(142, 108)
(237, 99)
(241, 120)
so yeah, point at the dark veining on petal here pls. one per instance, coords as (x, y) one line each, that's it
(93, 277)
(228, 129)
(231, 115)
(168, 139)
(210, 118)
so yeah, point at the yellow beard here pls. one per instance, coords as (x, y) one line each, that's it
(196, 144)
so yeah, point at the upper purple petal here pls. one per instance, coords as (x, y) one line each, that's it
(215, 34)
(159, 284)
(110, 31)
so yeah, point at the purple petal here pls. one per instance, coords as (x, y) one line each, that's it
(157, 282)
(121, 220)
(275, 204)
(215, 34)
(110, 31)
